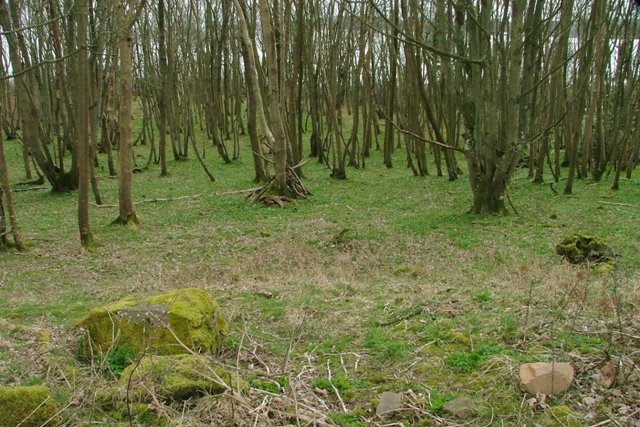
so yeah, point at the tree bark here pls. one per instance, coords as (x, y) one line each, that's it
(82, 96)
(6, 190)
(125, 22)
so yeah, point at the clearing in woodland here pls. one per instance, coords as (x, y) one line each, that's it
(377, 283)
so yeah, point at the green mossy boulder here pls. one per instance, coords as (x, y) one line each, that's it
(30, 406)
(177, 377)
(161, 324)
(578, 249)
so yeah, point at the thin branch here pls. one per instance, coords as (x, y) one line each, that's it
(545, 130)
(38, 25)
(420, 138)
(40, 64)
(408, 39)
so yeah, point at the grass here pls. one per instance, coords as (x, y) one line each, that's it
(382, 278)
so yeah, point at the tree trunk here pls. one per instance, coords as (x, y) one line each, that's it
(163, 90)
(82, 97)
(125, 21)
(6, 190)
(275, 110)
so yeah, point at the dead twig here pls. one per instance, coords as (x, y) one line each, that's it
(628, 205)
(229, 193)
(335, 389)
(417, 311)
(155, 200)
(38, 188)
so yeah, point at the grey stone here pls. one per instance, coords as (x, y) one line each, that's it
(389, 402)
(460, 407)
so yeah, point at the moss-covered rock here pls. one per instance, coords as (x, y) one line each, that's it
(579, 248)
(30, 406)
(177, 377)
(161, 324)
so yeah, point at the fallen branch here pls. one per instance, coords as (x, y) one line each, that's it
(628, 205)
(38, 181)
(156, 200)
(20, 190)
(229, 193)
(413, 313)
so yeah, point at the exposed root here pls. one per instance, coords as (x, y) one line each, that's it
(295, 190)
(132, 219)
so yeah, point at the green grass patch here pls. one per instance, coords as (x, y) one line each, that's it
(467, 361)
(386, 346)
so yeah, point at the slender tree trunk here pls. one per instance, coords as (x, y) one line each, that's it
(6, 190)
(125, 41)
(253, 98)
(275, 111)
(162, 98)
(82, 93)
(253, 70)
(391, 88)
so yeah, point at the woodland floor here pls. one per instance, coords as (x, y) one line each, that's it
(380, 282)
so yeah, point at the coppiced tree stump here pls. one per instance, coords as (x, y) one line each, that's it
(268, 194)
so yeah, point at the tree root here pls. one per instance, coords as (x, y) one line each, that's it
(295, 190)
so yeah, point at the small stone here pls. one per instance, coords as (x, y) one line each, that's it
(607, 375)
(389, 402)
(546, 378)
(461, 407)
(624, 410)
(589, 401)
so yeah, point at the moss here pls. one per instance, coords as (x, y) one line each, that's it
(605, 268)
(561, 416)
(70, 372)
(27, 406)
(276, 386)
(152, 324)
(346, 420)
(141, 414)
(579, 248)
(460, 338)
(177, 377)
(45, 342)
